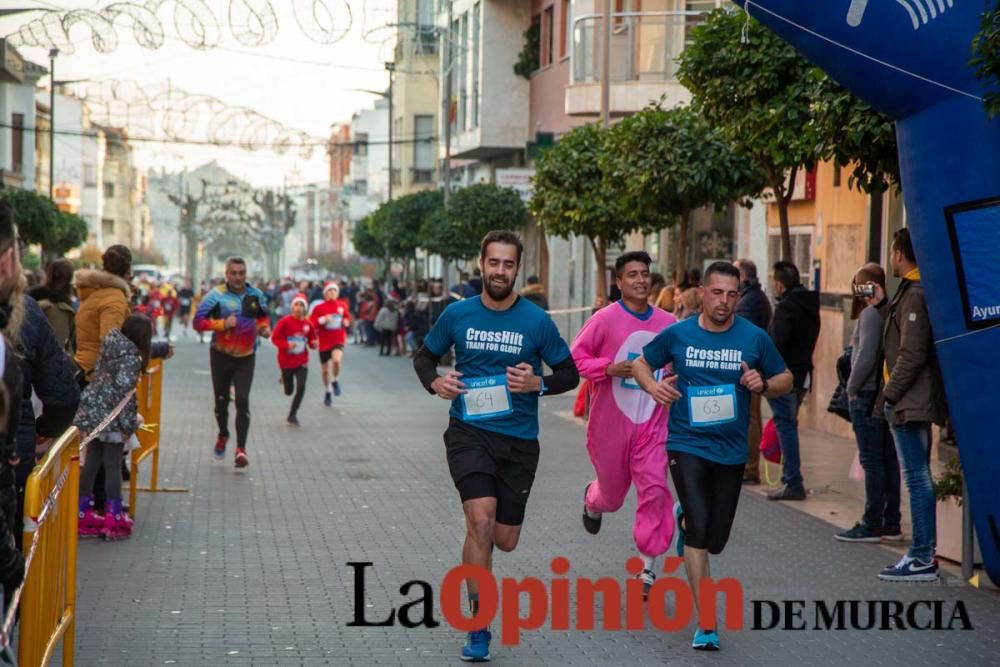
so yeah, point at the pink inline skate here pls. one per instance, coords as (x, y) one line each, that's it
(117, 524)
(89, 522)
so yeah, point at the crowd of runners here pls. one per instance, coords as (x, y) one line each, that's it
(665, 394)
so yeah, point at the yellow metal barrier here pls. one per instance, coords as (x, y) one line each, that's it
(48, 605)
(149, 396)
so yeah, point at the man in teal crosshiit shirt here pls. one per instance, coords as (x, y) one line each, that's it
(718, 361)
(500, 342)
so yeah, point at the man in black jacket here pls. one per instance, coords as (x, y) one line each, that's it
(794, 330)
(44, 366)
(754, 306)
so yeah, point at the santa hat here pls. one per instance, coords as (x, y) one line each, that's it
(301, 298)
(331, 286)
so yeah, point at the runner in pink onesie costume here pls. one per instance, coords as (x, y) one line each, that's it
(627, 430)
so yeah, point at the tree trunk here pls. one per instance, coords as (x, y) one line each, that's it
(680, 271)
(786, 235)
(192, 258)
(600, 247)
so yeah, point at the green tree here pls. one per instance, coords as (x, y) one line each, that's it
(364, 240)
(70, 232)
(986, 57)
(758, 92)
(397, 223)
(849, 132)
(36, 216)
(671, 162)
(455, 234)
(572, 195)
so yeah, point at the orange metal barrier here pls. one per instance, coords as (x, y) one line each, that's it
(149, 396)
(48, 605)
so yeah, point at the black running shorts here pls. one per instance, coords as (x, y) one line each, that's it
(326, 355)
(708, 493)
(485, 464)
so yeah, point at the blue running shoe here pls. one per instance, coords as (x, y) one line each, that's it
(679, 528)
(911, 569)
(705, 640)
(336, 388)
(327, 399)
(477, 646)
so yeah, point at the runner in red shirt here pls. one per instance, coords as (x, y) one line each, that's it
(292, 334)
(332, 317)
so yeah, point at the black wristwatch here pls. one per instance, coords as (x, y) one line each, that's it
(764, 388)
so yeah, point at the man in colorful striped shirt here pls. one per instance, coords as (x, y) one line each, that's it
(236, 315)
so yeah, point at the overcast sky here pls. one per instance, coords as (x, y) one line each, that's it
(293, 79)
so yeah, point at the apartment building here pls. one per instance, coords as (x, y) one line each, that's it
(18, 78)
(414, 98)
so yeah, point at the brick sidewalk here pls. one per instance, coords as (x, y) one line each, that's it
(249, 567)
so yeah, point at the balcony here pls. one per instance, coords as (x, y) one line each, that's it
(644, 49)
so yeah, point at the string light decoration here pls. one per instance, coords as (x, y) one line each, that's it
(167, 113)
(252, 23)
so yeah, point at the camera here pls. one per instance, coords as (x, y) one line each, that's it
(865, 291)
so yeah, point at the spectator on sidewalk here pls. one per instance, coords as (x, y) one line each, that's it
(55, 296)
(124, 356)
(104, 305)
(534, 292)
(45, 369)
(876, 451)
(367, 312)
(386, 325)
(911, 400)
(11, 560)
(690, 304)
(794, 330)
(755, 307)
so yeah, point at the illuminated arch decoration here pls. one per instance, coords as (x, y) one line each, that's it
(950, 164)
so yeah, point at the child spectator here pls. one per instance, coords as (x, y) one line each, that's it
(292, 334)
(124, 356)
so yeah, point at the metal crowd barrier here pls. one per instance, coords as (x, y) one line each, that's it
(149, 396)
(48, 596)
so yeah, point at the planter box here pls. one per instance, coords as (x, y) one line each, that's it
(949, 533)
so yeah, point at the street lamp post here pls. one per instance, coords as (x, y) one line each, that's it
(52, 122)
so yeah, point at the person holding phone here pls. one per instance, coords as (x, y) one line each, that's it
(876, 451)
(236, 315)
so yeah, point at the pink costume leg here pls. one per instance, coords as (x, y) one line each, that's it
(653, 529)
(610, 459)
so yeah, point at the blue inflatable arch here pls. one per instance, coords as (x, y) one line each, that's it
(910, 60)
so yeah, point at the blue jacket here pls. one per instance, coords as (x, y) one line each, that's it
(46, 369)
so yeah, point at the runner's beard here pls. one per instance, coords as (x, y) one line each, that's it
(498, 293)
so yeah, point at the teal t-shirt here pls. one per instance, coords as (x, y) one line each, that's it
(710, 419)
(486, 342)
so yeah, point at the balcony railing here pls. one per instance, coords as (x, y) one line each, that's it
(644, 45)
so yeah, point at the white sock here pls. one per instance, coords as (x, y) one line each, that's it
(593, 515)
(648, 562)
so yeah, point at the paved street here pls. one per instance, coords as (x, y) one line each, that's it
(249, 567)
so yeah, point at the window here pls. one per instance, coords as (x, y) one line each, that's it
(801, 241)
(107, 229)
(89, 176)
(564, 26)
(109, 190)
(361, 144)
(426, 36)
(836, 175)
(474, 120)
(423, 151)
(548, 32)
(17, 141)
(361, 187)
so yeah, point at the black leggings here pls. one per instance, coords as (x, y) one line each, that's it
(385, 337)
(709, 493)
(237, 372)
(294, 378)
